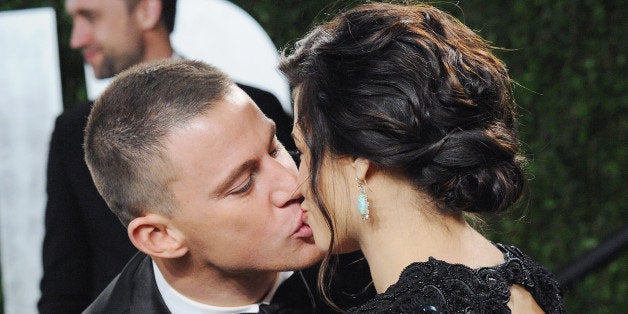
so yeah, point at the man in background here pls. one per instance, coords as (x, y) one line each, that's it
(85, 246)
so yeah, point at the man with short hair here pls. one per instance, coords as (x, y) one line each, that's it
(210, 197)
(85, 246)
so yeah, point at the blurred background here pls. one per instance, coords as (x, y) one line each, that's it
(568, 59)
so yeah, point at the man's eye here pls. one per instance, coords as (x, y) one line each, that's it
(274, 152)
(246, 187)
(90, 17)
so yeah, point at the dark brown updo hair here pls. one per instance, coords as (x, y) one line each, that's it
(418, 94)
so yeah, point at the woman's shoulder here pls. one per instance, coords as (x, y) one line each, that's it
(440, 287)
(521, 269)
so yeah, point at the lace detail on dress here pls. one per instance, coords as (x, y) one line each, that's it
(439, 287)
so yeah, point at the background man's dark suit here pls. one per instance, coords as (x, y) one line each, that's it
(85, 245)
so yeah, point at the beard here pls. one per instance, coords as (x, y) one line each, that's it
(113, 63)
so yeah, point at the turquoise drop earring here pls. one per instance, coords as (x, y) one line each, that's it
(363, 201)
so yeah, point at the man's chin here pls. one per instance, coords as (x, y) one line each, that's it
(101, 72)
(304, 258)
(103, 76)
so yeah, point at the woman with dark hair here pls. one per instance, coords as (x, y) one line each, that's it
(406, 123)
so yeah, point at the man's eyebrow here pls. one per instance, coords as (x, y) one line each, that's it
(82, 12)
(234, 175)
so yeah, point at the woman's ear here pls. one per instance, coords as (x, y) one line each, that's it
(361, 166)
(154, 235)
(148, 13)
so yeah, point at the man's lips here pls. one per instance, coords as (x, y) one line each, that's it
(89, 55)
(303, 230)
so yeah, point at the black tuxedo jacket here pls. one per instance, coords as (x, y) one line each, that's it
(85, 246)
(135, 291)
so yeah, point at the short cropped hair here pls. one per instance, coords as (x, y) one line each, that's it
(124, 147)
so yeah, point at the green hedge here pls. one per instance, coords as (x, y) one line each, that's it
(568, 58)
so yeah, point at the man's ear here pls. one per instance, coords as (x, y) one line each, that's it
(147, 14)
(154, 235)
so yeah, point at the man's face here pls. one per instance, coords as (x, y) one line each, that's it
(237, 191)
(107, 34)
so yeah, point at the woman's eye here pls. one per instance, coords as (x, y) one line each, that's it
(246, 187)
(296, 156)
(295, 153)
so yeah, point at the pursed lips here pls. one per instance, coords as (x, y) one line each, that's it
(302, 229)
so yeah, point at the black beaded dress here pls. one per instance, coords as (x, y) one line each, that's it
(439, 287)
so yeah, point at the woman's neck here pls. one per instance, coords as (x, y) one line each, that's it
(406, 229)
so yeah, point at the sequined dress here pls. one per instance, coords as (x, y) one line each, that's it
(439, 287)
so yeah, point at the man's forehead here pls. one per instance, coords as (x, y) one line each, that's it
(236, 99)
(72, 6)
(77, 6)
(231, 119)
(236, 111)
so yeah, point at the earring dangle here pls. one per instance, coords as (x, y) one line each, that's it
(363, 202)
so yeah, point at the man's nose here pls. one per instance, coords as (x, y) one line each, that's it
(81, 34)
(285, 187)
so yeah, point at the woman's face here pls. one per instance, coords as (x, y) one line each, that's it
(313, 215)
(336, 192)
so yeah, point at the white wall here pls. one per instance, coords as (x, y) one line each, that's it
(30, 99)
